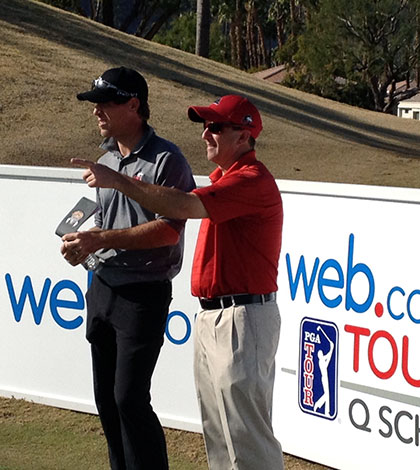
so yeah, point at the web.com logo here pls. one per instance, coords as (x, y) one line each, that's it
(65, 302)
(334, 283)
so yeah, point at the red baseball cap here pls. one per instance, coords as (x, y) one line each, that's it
(232, 109)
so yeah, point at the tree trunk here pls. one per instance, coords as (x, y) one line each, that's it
(95, 9)
(202, 40)
(237, 39)
(293, 17)
(108, 13)
(131, 15)
(146, 13)
(154, 29)
(379, 91)
(257, 55)
(251, 43)
(263, 56)
(417, 64)
(374, 86)
(281, 32)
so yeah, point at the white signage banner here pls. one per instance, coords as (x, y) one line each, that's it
(348, 378)
(44, 355)
(347, 390)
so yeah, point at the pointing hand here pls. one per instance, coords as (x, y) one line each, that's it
(97, 175)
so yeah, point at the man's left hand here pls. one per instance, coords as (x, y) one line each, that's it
(78, 245)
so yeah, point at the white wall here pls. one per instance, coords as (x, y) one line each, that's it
(409, 111)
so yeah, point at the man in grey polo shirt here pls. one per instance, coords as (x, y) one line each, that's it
(130, 293)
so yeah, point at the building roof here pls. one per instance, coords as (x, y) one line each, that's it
(410, 101)
(274, 74)
(403, 86)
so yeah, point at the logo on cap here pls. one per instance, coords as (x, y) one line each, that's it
(318, 372)
(248, 119)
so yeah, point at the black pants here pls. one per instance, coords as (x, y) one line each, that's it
(125, 326)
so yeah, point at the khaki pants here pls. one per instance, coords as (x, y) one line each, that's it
(234, 373)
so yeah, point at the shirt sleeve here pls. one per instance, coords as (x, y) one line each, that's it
(235, 196)
(175, 172)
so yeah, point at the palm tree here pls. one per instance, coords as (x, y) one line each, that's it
(202, 42)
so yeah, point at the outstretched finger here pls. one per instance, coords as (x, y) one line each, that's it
(82, 163)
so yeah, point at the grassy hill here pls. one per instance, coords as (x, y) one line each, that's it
(47, 56)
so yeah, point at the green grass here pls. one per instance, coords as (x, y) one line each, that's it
(36, 446)
(39, 437)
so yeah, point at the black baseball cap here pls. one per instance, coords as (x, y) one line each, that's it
(117, 84)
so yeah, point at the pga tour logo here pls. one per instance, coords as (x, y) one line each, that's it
(318, 368)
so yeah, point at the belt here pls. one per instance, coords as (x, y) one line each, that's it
(241, 299)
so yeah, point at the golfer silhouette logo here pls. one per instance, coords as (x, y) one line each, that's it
(318, 368)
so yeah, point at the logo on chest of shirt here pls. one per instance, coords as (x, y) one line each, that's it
(138, 176)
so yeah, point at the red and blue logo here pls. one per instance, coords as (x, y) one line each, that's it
(318, 371)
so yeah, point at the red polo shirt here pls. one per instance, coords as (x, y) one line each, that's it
(238, 247)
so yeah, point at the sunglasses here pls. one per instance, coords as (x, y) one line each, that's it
(217, 127)
(104, 85)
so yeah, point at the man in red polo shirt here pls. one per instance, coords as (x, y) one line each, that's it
(234, 276)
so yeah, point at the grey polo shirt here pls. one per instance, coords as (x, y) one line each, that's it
(157, 161)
